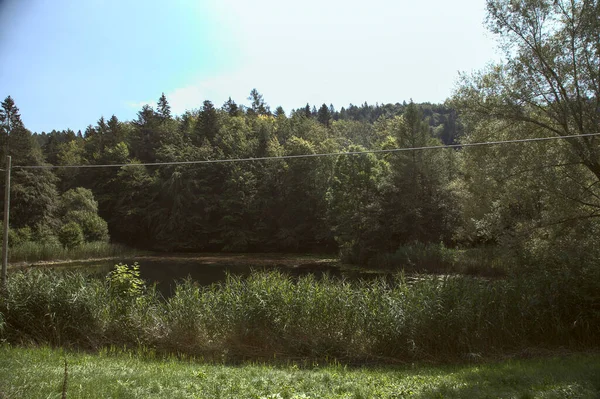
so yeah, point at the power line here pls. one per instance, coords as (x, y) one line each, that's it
(282, 157)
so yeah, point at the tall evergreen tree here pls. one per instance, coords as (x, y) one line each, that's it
(258, 105)
(163, 109)
(231, 107)
(33, 192)
(307, 112)
(207, 126)
(324, 115)
(17, 140)
(146, 138)
(279, 112)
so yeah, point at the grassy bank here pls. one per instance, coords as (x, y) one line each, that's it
(439, 259)
(39, 373)
(28, 252)
(270, 316)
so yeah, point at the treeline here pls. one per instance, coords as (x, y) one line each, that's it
(351, 202)
(538, 201)
(362, 205)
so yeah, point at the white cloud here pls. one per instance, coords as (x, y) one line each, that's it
(343, 51)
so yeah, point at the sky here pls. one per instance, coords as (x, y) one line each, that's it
(66, 63)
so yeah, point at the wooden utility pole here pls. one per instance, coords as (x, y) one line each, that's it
(5, 230)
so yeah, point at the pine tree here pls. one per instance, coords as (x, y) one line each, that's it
(163, 109)
(16, 140)
(33, 192)
(323, 115)
(207, 126)
(307, 112)
(258, 106)
(231, 107)
(115, 132)
(279, 112)
(332, 111)
(146, 138)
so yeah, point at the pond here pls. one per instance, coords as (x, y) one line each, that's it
(206, 269)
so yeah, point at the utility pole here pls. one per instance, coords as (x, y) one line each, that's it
(5, 230)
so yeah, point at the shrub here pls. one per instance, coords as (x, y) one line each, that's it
(17, 236)
(125, 282)
(78, 199)
(94, 228)
(71, 235)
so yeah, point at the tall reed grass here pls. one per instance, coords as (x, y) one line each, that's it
(437, 258)
(271, 315)
(29, 251)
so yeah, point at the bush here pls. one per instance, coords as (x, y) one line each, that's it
(78, 199)
(45, 235)
(71, 235)
(94, 228)
(125, 282)
(17, 236)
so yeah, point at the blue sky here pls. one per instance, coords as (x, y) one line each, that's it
(66, 63)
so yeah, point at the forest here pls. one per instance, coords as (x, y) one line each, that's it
(533, 200)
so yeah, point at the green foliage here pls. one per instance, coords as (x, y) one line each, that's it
(70, 235)
(269, 205)
(79, 206)
(78, 199)
(268, 314)
(352, 204)
(125, 282)
(94, 228)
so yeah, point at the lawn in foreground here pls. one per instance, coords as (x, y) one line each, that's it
(38, 373)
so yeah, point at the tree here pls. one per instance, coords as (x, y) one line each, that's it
(146, 138)
(536, 196)
(307, 112)
(17, 140)
(231, 107)
(324, 115)
(258, 105)
(163, 109)
(70, 153)
(550, 77)
(33, 192)
(416, 203)
(279, 112)
(207, 126)
(115, 132)
(352, 204)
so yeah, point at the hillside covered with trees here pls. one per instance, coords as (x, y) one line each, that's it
(536, 199)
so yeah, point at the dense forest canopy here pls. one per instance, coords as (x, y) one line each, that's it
(536, 199)
(286, 205)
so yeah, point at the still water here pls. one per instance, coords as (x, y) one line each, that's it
(165, 271)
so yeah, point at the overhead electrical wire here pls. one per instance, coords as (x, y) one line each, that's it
(283, 157)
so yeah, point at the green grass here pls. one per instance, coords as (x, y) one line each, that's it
(39, 373)
(34, 252)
